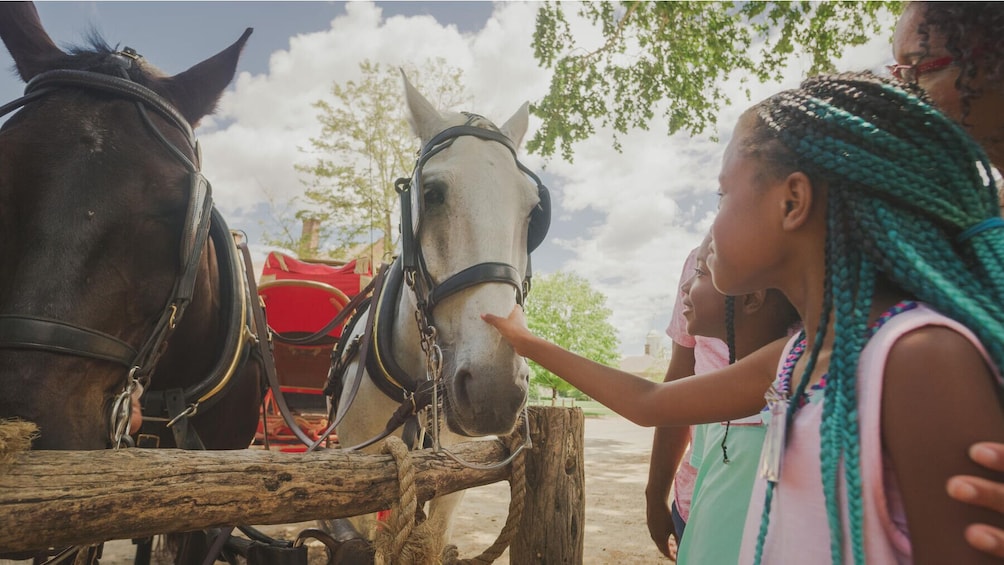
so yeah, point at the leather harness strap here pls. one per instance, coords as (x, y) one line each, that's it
(343, 406)
(265, 348)
(381, 365)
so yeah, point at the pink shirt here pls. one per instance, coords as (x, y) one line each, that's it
(798, 531)
(709, 354)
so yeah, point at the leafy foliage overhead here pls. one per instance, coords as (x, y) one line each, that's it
(675, 57)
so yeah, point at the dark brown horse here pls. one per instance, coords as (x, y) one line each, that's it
(114, 267)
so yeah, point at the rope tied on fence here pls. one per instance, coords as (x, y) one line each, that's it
(517, 501)
(15, 436)
(393, 535)
(416, 545)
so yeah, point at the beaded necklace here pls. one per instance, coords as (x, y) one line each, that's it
(779, 397)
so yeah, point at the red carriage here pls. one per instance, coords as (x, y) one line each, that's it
(300, 299)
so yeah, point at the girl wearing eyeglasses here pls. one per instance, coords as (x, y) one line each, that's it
(955, 52)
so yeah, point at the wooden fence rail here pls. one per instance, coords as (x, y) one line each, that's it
(60, 498)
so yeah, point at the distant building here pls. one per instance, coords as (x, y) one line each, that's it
(367, 255)
(652, 363)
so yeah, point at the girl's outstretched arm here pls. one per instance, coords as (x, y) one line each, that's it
(730, 393)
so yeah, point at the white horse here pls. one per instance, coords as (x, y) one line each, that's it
(472, 213)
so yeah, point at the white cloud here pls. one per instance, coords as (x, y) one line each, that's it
(646, 195)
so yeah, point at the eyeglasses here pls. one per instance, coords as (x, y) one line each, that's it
(910, 73)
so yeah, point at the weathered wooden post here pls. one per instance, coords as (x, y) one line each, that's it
(551, 531)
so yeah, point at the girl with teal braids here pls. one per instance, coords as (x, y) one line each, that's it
(877, 218)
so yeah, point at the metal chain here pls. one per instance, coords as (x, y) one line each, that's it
(434, 373)
(121, 413)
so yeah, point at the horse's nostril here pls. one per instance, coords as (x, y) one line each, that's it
(462, 382)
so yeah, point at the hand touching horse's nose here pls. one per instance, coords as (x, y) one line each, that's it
(512, 328)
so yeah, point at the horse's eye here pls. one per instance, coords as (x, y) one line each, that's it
(434, 193)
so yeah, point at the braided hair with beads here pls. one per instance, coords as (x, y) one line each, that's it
(905, 182)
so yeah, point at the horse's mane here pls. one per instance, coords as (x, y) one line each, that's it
(94, 57)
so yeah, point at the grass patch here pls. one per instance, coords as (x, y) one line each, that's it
(589, 407)
(593, 408)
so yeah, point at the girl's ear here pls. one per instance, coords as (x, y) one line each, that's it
(799, 196)
(753, 301)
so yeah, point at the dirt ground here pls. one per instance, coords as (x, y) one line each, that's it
(616, 453)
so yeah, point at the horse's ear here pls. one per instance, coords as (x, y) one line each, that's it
(196, 91)
(424, 118)
(30, 46)
(515, 127)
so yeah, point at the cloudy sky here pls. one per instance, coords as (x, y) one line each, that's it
(624, 221)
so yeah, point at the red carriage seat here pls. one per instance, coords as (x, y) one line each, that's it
(295, 309)
(349, 278)
(300, 298)
(300, 307)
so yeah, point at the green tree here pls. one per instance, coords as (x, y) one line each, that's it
(564, 309)
(675, 57)
(364, 145)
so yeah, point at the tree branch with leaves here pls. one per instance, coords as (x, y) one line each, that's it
(675, 57)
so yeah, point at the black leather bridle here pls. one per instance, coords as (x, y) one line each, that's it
(39, 333)
(409, 268)
(373, 348)
(428, 291)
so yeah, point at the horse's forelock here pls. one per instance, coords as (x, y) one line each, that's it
(451, 119)
(94, 57)
(482, 122)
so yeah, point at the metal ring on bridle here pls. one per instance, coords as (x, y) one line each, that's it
(121, 412)
(192, 410)
(434, 362)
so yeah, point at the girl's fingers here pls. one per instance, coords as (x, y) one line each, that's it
(978, 491)
(988, 454)
(986, 538)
